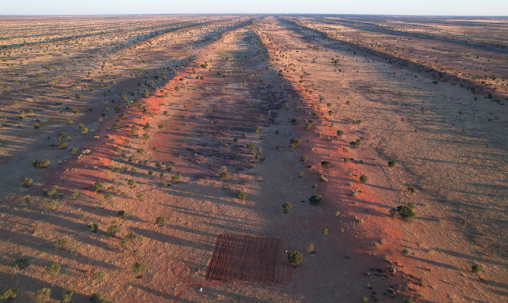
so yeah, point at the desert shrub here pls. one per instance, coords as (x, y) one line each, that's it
(476, 268)
(44, 295)
(52, 204)
(405, 211)
(93, 227)
(21, 263)
(169, 167)
(303, 159)
(98, 186)
(124, 214)
(66, 296)
(138, 268)
(315, 199)
(314, 186)
(340, 133)
(363, 178)
(295, 258)
(99, 276)
(224, 175)
(9, 294)
(37, 125)
(241, 195)
(286, 207)
(355, 144)
(62, 243)
(99, 298)
(293, 143)
(310, 248)
(250, 146)
(300, 174)
(176, 178)
(51, 192)
(129, 238)
(160, 221)
(62, 145)
(140, 196)
(406, 252)
(41, 164)
(53, 269)
(326, 164)
(74, 150)
(392, 163)
(355, 192)
(409, 300)
(26, 182)
(294, 121)
(131, 183)
(411, 189)
(324, 232)
(112, 230)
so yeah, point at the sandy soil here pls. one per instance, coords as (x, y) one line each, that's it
(175, 99)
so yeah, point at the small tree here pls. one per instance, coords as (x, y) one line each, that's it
(26, 182)
(53, 269)
(475, 268)
(93, 227)
(138, 269)
(98, 186)
(9, 294)
(295, 258)
(44, 295)
(160, 221)
(241, 195)
(62, 243)
(315, 199)
(67, 296)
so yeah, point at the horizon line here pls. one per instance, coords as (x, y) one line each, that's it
(299, 14)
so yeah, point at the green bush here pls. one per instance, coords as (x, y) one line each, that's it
(41, 164)
(315, 199)
(160, 221)
(9, 294)
(406, 252)
(124, 214)
(355, 144)
(286, 207)
(295, 258)
(340, 133)
(99, 276)
(392, 163)
(26, 182)
(303, 159)
(363, 179)
(293, 143)
(53, 269)
(112, 230)
(176, 178)
(44, 295)
(138, 268)
(62, 243)
(132, 183)
(52, 204)
(310, 248)
(405, 211)
(62, 145)
(324, 232)
(241, 195)
(74, 150)
(93, 227)
(66, 296)
(326, 164)
(98, 186)
(476, 268)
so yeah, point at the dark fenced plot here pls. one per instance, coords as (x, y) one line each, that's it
(249, 259)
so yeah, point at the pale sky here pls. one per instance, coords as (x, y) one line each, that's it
(377, 7)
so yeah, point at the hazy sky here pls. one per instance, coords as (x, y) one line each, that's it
(390, 7)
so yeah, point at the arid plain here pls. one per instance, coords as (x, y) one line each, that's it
(183, 158)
